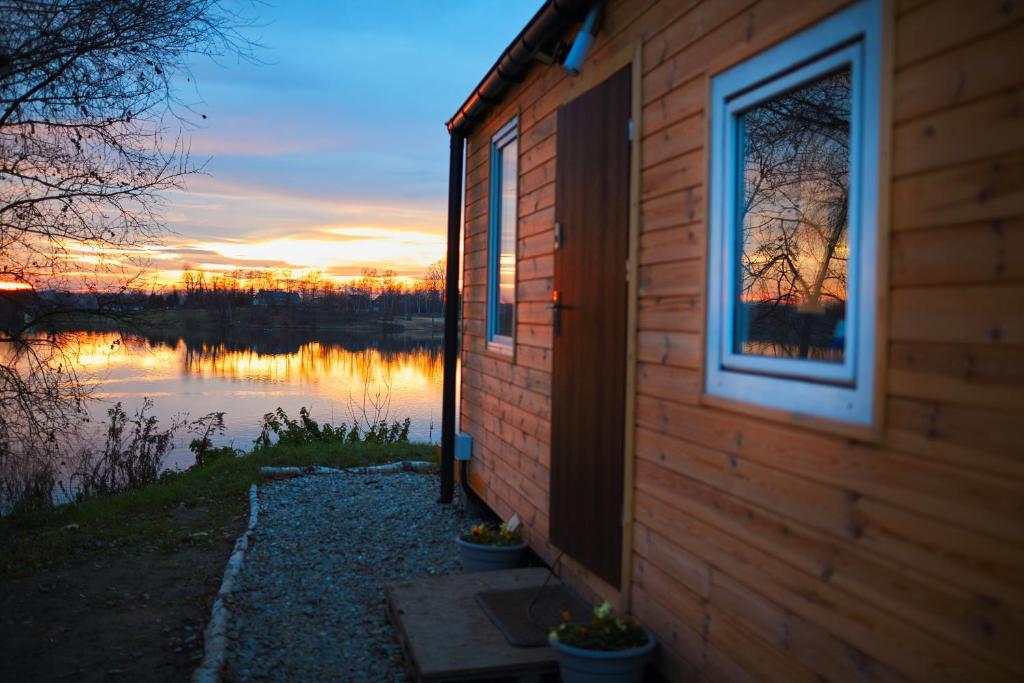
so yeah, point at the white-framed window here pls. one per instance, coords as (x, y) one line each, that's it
(793, 224)
(501, 247)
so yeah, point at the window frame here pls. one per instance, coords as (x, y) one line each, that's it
(499, 141)
(843, 391)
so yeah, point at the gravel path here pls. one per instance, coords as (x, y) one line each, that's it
(310, 599)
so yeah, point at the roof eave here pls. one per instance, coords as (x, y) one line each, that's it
(550, 21)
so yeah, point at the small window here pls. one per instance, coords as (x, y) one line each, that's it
(794, 222)
(501, 255)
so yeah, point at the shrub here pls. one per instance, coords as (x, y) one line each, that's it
(135, 449)
(24, 487)
(132, 457)
(306, 430)
(205, 428)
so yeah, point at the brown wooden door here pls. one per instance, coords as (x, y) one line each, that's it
(589, 353)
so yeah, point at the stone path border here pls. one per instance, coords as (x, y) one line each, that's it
(400, 466)
(215, 637)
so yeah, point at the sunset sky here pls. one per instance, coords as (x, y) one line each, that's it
(332, 154)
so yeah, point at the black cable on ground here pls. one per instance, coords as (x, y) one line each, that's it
(540, 591)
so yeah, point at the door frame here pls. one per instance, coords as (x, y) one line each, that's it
(632, 304)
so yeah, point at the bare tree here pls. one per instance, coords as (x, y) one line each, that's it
(796, 167)
(310, 286)
(374, 409)
(90, 142)
(193, 281)
(391, 290)
(436, 276)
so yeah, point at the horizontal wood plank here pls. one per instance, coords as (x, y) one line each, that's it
(973, 253)
(936, 27)
(970, 375)
(974, 71)
(975, 131)
(983, 315)
(991, 190)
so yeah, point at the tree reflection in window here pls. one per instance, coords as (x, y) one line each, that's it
(792, 279)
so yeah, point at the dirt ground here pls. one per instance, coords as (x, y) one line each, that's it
(137, 615)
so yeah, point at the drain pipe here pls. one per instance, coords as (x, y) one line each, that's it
(584, 39)
(451, 319)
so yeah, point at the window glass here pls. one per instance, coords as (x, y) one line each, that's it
(501, 255)
(793, 242)
(505, 296)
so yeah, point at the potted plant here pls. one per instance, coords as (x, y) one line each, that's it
(489, 548)
(608, 648)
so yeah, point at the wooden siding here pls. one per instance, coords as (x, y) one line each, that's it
(762, 550)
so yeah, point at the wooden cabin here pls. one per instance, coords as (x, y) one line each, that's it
(743, 320)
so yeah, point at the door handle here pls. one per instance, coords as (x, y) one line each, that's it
(556, 307)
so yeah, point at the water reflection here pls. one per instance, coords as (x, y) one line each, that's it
(249, 375)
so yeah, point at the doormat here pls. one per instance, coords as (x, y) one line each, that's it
(525, 615)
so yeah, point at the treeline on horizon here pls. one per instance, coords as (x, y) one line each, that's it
(377, 293)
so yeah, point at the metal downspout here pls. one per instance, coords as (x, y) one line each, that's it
(452, 303)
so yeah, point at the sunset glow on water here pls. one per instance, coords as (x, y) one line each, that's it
(250, 376)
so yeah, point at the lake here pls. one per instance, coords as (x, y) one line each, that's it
(248, 374)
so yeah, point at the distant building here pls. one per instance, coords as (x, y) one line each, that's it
(268, 298)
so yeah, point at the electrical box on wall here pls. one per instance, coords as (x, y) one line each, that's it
(463, 446)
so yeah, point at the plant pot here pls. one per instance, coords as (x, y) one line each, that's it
(489, 558)
(578, 665)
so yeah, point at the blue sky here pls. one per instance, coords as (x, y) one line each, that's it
(332, 153)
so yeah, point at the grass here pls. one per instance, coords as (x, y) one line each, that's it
(194, 507)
